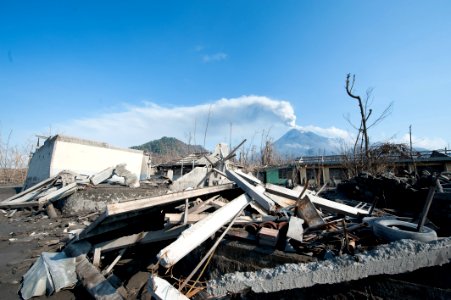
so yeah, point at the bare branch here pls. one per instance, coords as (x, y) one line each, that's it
(348, 119)
(387, 111)
(349, 88)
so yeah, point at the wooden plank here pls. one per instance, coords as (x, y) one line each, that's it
(123, 207)
(258, 208)
(185, 215)
(281, 200)
(201, 231)
(34, 187)
(96, 257)
(141, 238)
(60, 193)
(293, 194)
(107, 227)
(26, 198)
(256, 192)
(51, 212)
(218, 203)
(282, 191)
(115, 261)
(336, 207)
(252, 179)
(20, 205)
(203, 206)
(178, 218)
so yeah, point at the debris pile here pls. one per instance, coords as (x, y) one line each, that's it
(404, 195)
(171, 246)
(64, 184)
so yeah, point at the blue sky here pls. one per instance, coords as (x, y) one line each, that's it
(126, 72)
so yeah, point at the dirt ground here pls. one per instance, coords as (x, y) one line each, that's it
(24, 235)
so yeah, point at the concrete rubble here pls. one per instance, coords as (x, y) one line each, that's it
(398, 257)
(183, 233)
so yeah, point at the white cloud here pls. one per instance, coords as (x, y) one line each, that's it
(430, 143)
(208, 58)
(249, 116)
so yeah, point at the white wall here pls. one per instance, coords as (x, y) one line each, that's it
(91, 159)
(81, 156)
(39, 165)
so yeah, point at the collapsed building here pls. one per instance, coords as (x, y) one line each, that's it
(216, 231)
(85, 157)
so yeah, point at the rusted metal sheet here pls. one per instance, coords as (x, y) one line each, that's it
(307, 211)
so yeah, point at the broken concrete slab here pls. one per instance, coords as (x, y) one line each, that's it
(395, 258)
(131, 180)
(102, 176)
(194, 179)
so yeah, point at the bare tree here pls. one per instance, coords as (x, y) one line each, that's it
(362, 141)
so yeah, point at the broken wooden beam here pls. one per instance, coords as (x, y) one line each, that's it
(282, 191)
(203, 206)
(19, 205)
(33, 188)
(140, 204)
(336, 207)
(180, 218)
(59, 193)
(256, 192)
(252, 179)
(141, 238)
(201, 231)
(281, 200)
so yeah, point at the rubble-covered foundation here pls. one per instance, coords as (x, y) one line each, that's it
(395, 258)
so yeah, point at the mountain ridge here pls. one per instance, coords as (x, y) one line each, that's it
(169, 146)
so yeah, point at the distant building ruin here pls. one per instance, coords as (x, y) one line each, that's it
(85, 157)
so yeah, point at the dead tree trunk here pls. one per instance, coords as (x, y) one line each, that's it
(363, 116)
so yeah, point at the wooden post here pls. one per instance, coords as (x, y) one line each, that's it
(427, 205)
(51, 212)
(185, 215)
